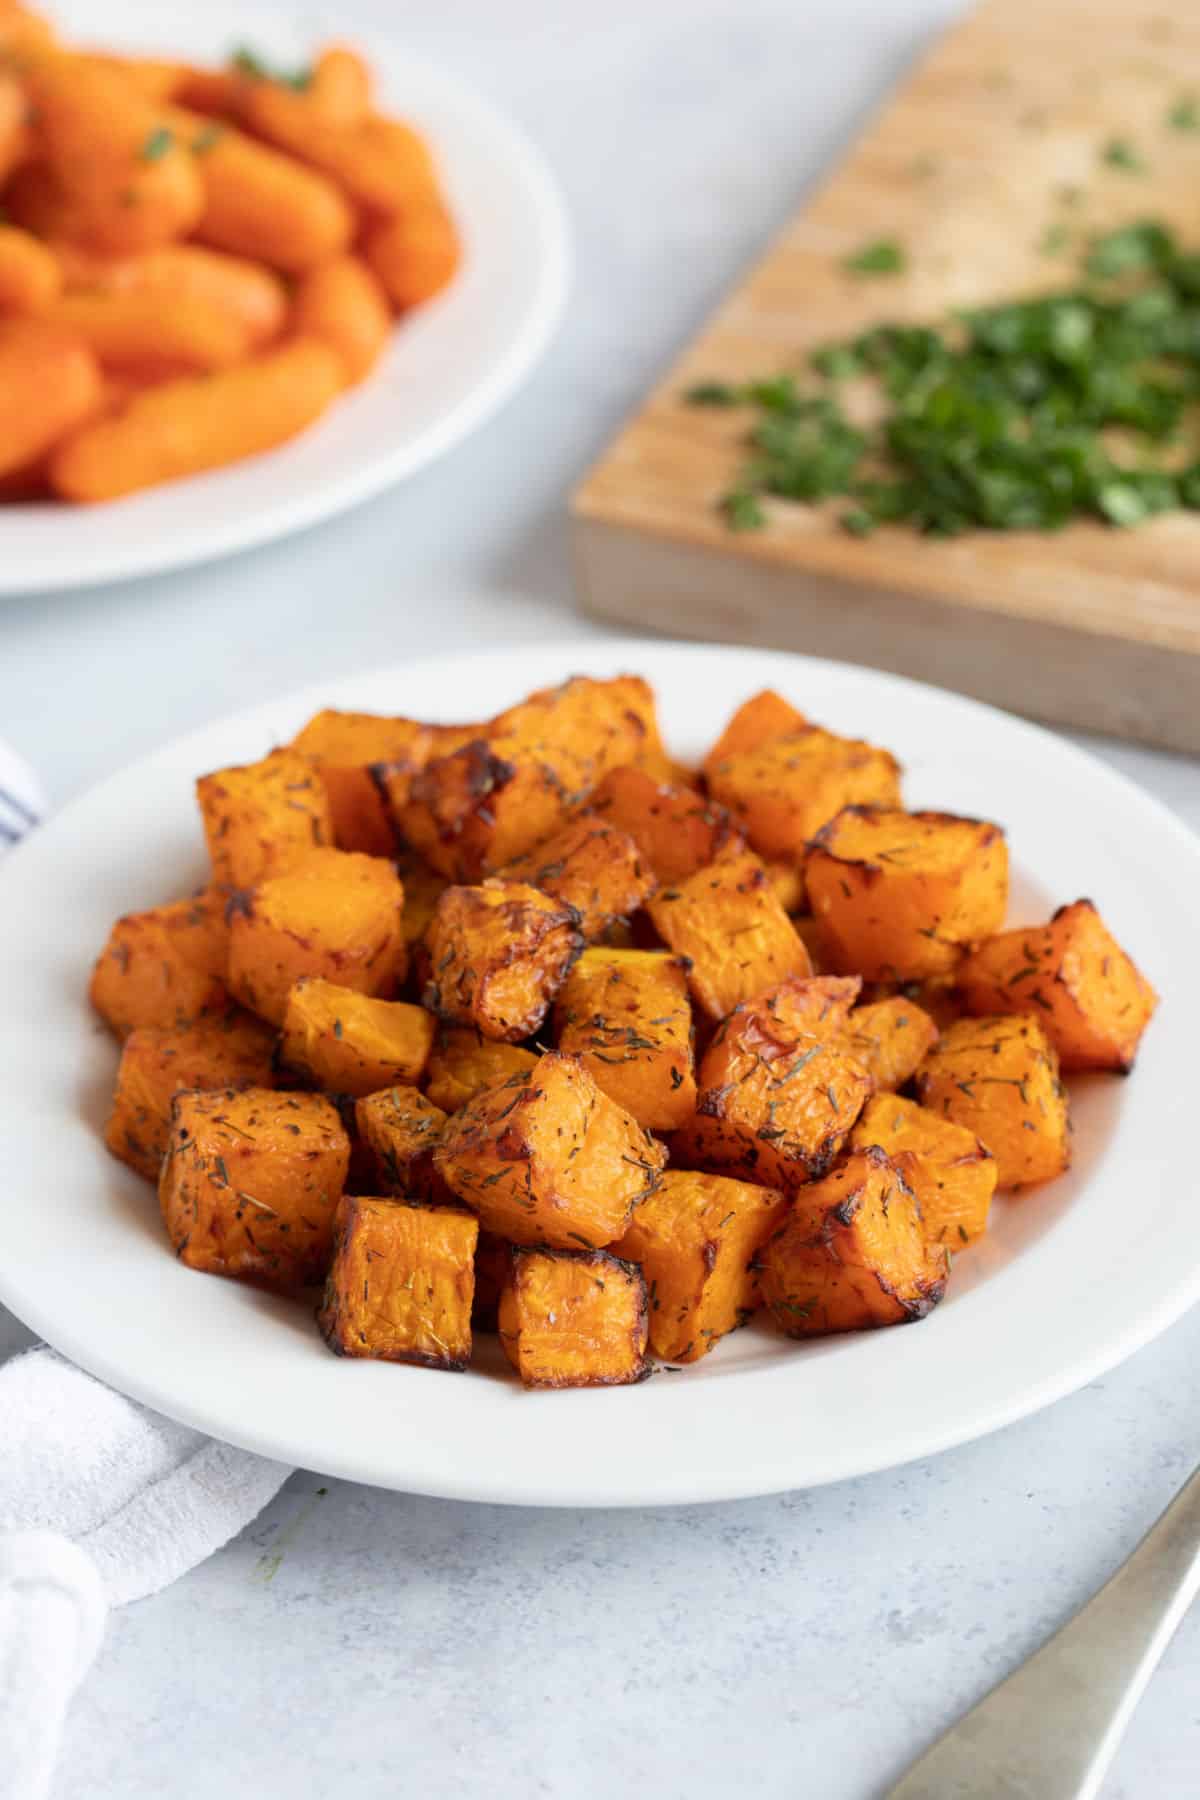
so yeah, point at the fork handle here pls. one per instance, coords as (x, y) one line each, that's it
(1050, 1731)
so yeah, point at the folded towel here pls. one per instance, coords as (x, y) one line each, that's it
(101, 1502)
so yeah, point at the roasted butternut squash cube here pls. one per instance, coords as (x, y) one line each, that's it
(401, 1283)
(1092, 999)
(233, 1051)
(343, 746)
(571, 1318)
(401, 1129)
(462, 1064)
(250, 1184)
(782, 793)
(164, 968)
(951, 1173)
(676, 830)
(498, 954)
(262, 817)
(757, 721)
(900, 896)
(334, 914)
(626, 1015)
(776, 1104)
(999, 1078)
(727, 921)
(351, 1043)
(546, 1158)
(890, 1038)
(593, 867)
(470, 812)
(493, 1259)
(695, 1240)
(817, 1004)
(852, 1253)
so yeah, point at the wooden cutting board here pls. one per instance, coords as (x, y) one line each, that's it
(995, 140)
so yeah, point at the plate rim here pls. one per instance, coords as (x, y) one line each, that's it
(482, 1486)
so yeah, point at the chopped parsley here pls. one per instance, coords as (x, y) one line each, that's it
(249, 63)
(1184, 115)
(156, 145)
(883, 257)
(1119, 153)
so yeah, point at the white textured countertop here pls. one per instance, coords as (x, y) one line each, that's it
(354, 1641)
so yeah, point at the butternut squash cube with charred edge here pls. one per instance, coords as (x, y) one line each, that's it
(728, 922)
(951, 1174)
(401, 1129)
(402, 1282)
(765, 716)
(164, 968)
(234, 1051)
(818, 1005)
(546, 1158)
(900, 896)
(676, 830)
(852, 1253)
(392, 775)
(343, 746)
(998, 1077)
(334, 914)
(476, 809)
(696, 1240)
(250, 1184)
(890, 1039)
(781, 794)
(591, 866)
(570, 1318)
(498, 954)
(350, 1043)
(776, 1105)
(626, 1015)
(1092, 1000)
(462, 1064)
(260, 818)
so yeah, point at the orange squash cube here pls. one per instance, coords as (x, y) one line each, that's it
(401, 1283)
(852, 1253)
(951, 1173)
(783, 792)
(260, 818)
(626, 1015)
(900, 896)
(676, 830)
(401, 1130)
(462, 1063)
(333, 914)
(164, 968)
(570, 1318)
(819, 1005)
(233, 1051)
(727, 920)
(890, 1038)
(695, 1240)
(350, 1043)
(343, 746)
(546, 1158)
(999, 1078)
(592, 867)
(757, 721)
(1092, 999)
(497, 956)
(250, 1184)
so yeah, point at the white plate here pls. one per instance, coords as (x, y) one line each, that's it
(448, 367)
(1072, 1277)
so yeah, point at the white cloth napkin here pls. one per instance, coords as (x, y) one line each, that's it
(101, 1501)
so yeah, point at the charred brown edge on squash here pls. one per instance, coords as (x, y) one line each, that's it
(595, 1259)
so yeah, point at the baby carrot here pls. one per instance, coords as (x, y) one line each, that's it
(343, 304)
(29, 274)
(49, 382)
(235, 285)
(138, 331)
(415, 254)
(187, 426)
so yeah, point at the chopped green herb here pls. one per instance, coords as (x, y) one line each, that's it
(883, 257)
(713, 393)
(1055, 238)
(249, 63)
(743, 512)
(1119, 153)
(156, 145)
(207, 139)
(1184, 115)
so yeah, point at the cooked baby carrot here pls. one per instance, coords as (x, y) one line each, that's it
(137, 331)
(215, 92)
(340, 85)
(49, 382)
(154, 78)
(14, 123)
(381, 164)
(261, 204)
(414, 254)
(29, 275)
(22, 30)
(126, 181)
(187, 426)
(235, 285)
(343, 304)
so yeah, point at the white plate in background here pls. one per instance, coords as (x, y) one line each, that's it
(449, 366)
(1072, 1277)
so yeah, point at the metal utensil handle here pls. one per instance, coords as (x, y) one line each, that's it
(1050, 1731)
